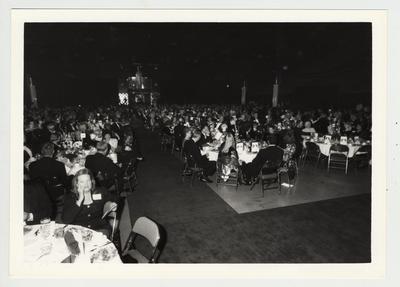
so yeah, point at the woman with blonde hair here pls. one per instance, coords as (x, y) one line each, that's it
(86, 204)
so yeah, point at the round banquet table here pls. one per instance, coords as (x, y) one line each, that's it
(325, 147)
(244, 156)
(45, 243)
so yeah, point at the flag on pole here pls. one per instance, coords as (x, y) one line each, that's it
(275, 92)
(32, 90)
(243, 99)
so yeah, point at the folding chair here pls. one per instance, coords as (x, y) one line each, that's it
(146, 228)
(269, 174)
(311, 152)
(338, 157)
(110, 213)
(361, 157)
(191, 168)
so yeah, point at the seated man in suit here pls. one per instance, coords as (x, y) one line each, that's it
(193, 150)
(52, 174)
(205, 136)
(102, 167)
(49, 169)
(47, 166)
(271, 153)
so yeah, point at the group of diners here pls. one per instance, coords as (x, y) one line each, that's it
(75, 158)
(195, 127)
(75, 162)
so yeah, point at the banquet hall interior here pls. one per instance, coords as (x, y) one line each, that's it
(197, 142)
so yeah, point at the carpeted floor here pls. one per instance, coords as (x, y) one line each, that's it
(202, 228)
(313, 184)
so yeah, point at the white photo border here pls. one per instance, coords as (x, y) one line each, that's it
(375, 269)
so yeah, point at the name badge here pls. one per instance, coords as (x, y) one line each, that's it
(96, 196)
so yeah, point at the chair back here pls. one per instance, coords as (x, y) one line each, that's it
(312, 147)
(147, 228)
(110, 212)
(275, 161)
(272, 164)
(365, 149)
(130, 168)
(190, 160)
(339, 148)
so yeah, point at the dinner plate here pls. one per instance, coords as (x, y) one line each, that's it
(103, 254)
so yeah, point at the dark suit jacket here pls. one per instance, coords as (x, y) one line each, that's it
(46, 168)
(98, 162)
(271, 153)
(192, 149)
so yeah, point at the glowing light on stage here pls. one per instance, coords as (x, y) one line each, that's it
(123, 99)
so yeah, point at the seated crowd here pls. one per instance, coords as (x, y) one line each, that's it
(193, 126)
(75, 161)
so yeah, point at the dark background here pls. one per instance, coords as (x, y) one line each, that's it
(318, 64)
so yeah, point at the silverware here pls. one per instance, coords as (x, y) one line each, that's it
(97, 247)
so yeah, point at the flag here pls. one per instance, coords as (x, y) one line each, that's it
(275, 94)
(32, 90)
(243, 99)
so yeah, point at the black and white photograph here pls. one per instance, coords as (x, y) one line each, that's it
(226, 142)
(203, 142)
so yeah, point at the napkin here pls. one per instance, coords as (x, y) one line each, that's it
(73, 244)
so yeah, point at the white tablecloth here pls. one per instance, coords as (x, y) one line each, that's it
(44, 243)
(325, 147)
(243, 156)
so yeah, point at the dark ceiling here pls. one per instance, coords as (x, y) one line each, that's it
(198, 62)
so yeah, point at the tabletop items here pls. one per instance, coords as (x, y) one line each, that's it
(344, 140)
(247, 150)
(325, 143)
(60, 243)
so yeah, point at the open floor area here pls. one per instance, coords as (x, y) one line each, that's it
(326, 219)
